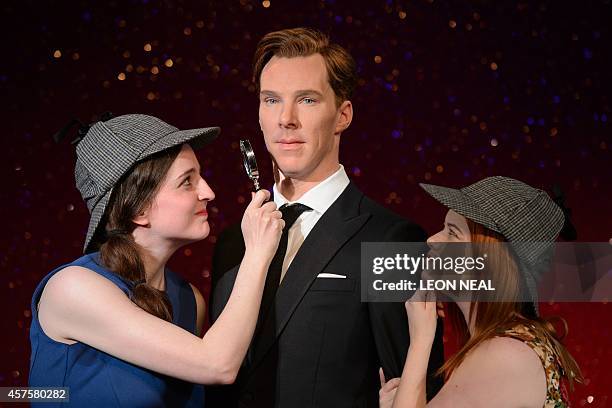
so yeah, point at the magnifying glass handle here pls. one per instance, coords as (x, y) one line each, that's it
(250, 164)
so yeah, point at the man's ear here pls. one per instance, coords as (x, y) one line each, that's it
(346, 116)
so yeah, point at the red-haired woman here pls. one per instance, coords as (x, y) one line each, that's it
(510, 357)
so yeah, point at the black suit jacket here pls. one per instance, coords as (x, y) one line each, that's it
(320, 346)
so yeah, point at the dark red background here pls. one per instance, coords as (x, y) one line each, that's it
(459, 91)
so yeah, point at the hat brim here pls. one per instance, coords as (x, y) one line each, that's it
(459, 202)
(197, 138)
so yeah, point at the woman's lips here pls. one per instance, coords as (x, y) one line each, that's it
(203, 212)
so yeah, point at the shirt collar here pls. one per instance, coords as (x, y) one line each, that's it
(321, 196)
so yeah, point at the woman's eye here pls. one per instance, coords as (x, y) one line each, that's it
(187, 181)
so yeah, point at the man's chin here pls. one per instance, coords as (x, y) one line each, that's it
(289, 170)
(290, 174)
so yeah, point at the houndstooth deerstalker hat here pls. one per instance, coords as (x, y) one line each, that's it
(111, 148)
(527, 217)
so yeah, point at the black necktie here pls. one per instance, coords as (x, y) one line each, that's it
(290, 215)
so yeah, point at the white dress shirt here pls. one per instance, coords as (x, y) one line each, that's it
(319, 198)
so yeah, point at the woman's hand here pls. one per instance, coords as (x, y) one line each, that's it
(422, 317)
(386, 395)
(262, 225)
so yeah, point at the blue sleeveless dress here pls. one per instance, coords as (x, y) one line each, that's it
(97, 379)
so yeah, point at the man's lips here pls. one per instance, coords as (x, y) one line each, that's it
(289, 144)
(289, 140)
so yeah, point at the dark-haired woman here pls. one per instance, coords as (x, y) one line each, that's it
(510, 357)
(116, 326)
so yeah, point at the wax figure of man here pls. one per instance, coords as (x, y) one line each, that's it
(316, 343)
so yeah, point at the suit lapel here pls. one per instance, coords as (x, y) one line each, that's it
(339, 223)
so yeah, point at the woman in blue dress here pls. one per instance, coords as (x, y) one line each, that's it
(116, 326)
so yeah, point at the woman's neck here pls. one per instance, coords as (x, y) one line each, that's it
(154, 256)
(154, 270)
(465, 310)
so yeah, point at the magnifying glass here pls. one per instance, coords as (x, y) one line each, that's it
(250, 164)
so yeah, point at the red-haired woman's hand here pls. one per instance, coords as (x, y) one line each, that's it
(422, 317)
(386, 395)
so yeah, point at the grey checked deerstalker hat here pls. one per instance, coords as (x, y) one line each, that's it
(527, 217)
(111, 148)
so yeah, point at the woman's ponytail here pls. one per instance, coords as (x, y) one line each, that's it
(132, 196)
(119, 253)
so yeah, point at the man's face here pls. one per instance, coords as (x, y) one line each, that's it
(299, 118)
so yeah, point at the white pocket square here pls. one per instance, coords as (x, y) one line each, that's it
(331, 275)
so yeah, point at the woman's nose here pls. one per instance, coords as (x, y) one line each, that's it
(435, 240)
(204, 191)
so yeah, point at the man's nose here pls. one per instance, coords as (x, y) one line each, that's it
(288, 117)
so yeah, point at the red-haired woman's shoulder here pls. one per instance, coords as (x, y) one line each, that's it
(501, 371)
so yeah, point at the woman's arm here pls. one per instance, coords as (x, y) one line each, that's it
(77, 304)
(412, 388)
(422, 320)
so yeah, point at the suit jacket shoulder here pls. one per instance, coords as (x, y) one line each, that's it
(398, 228)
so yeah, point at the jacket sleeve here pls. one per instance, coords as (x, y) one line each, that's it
(389, 323)
(227, 256)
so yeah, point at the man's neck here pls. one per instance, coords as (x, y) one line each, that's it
(293, 188)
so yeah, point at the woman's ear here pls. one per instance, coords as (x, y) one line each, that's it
(345, 117)
(142, 219)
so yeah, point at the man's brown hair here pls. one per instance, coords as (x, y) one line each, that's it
(303, 42)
